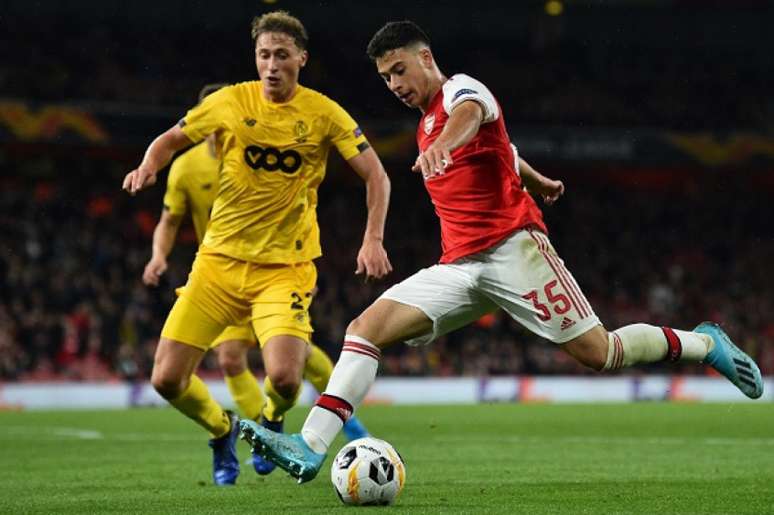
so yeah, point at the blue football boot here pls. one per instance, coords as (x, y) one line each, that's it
(731, 361)
(289, 452)
(354, 429)
(261, 465)
(225, 464)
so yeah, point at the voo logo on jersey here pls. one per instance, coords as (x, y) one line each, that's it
(272, 159)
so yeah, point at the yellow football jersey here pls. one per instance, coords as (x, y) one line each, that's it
(192, 186)
(274, 159)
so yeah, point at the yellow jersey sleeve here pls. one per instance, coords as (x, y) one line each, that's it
(345, 133)
(175, 198)
(209, 115)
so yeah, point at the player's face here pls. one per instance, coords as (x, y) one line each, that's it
(279, 62)
(407, 72)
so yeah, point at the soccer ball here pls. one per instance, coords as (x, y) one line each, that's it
(368, 471)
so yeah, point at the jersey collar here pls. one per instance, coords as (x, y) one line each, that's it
(438, 97)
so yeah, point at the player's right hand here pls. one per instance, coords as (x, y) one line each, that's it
(433, 161)
(138, 179)
(153, 271)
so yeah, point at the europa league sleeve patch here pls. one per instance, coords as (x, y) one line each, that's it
(464, 91)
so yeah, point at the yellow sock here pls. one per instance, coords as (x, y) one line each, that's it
(276, 406)
(319, 368)
(197, 403)
(246, 393)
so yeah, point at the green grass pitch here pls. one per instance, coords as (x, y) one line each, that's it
(649, 458)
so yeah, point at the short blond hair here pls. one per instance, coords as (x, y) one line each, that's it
(283, 22)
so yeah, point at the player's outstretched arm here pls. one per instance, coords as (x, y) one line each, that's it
(157, 156)
(164, 236)
(463, 124)
(372, 258)
(537, 184)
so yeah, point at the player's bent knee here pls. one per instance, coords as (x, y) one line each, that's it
(232, 363)
(366, 326)
(358, 326)
(167, 385)
(285, 383)
(172, 367)
(231, 367)
(594, 363)
(594, 358)
(590, 348)
(387, 321)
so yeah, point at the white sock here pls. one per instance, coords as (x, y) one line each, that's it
(350, 381)
(643, 343)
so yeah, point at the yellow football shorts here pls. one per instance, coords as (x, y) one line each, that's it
(236, 332)
(242, 333)
(222, 291)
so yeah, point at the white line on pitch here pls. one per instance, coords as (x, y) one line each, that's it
(630, 440)
(59, 433)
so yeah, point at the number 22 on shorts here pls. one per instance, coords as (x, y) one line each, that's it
(298, 302)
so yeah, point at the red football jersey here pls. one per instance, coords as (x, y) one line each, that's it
(479, 199)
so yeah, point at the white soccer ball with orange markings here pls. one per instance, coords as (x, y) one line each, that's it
(368, 471)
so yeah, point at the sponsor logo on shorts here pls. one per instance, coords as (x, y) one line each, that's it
(567, 323)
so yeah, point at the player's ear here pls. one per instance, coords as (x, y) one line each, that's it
(304, 58)
(425, 57)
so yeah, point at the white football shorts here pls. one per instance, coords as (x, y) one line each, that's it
(522, 274)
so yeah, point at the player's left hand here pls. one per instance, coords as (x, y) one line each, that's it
(138, 179)
(433, 161)
(154, 270)
(372, 260)
(550, 190)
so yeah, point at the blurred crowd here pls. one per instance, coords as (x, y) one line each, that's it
(552, 73)
(72, 305)
(664, 247)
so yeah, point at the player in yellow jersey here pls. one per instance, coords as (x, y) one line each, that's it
(191, 187)
(255, 262)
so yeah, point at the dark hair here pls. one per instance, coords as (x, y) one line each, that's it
(281, 21)
(395, 34)
(210, 89)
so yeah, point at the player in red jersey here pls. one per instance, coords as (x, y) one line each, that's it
(496, 255)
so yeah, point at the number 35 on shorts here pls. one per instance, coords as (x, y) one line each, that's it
(557, 300)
